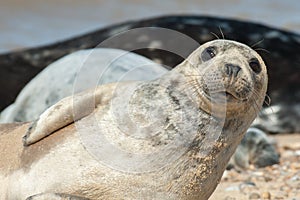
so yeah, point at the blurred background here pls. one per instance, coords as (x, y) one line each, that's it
(28, 23)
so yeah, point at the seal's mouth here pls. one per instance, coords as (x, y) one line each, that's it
(223, 97)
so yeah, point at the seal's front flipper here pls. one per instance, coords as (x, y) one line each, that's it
(66, 111)
(54, 118)
(55, 196)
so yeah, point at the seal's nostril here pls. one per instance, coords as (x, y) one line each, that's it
(236, 69)
(227, 70)
(231, 69)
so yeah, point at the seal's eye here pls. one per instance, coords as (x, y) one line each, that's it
(208, 53)
(255, 66)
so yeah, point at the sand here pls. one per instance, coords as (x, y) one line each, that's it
(280, 181)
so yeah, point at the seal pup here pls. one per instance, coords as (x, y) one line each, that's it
(200, 109)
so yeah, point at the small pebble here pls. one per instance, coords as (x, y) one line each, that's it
(268, 179)
(266, 195)
(295, 166)
(276, 182)
(280, 195)
(293, 146)
(254, 196)
(232, 188)
(258, 173)
(288, 153)
(277, 197)
(295, 178)
(247, 187)
(225, 176)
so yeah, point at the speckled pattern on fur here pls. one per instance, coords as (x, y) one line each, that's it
(187, 155)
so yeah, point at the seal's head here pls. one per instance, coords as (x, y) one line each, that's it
(228, 77)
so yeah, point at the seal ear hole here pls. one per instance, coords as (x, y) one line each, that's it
(255, 65)
(208, 53)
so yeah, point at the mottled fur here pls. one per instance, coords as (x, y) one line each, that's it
(179, 136)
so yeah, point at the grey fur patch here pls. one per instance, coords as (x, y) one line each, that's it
(280, 118)
(257, 149)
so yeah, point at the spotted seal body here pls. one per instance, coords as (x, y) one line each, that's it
(176, 133)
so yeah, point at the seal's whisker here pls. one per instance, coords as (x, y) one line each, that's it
(258, 108)
(257, 94)
(263, 111)
(194, 91)
(268, 103)
(191, 85)
(215, 35)
(255, 106)
(222, 33)
(257, 43)
(262, 49)
(189, 82)
(259, 49)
